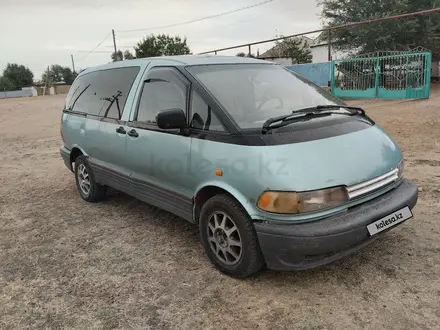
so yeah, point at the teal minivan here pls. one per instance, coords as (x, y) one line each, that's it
(275, 171)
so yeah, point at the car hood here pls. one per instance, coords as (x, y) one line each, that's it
(341, 160)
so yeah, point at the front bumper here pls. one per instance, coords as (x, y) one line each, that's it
(309, 245)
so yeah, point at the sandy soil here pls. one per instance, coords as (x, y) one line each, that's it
(121, 264)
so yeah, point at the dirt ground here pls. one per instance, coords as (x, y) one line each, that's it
(121, 264)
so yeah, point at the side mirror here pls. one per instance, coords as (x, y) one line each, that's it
(173, 118)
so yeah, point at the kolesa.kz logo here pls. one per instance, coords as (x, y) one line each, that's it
(389, 221)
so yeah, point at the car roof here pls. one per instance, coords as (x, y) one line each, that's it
(180, 60)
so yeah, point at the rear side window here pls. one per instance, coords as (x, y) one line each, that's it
(102, 93)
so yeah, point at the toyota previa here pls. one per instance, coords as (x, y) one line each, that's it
(275, 171)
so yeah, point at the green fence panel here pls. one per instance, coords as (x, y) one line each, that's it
(397, 76)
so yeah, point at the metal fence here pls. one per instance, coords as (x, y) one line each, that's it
(318, 73)
(15, 94)
(404, 75)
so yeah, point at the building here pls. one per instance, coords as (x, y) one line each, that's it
(319, 48)
(57, 88)
(24, 92)
(274, 55)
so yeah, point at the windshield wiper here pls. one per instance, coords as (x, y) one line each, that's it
(306, 114)
(112, 100)
(288, 119)
(325, 107)
(74, 102)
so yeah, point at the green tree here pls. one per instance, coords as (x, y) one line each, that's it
(242, 54)
(117, 56)
(295, 49)
(120, 56)
(53, 75)
(393, 35)
(161, 45)
(6, 84)
(18, 75)
(128, 55)
(68, 75)
(57, 73)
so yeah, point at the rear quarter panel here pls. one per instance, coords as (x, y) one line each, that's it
(74, 131)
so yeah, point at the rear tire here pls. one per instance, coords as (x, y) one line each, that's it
(229, 238)
(87, 187)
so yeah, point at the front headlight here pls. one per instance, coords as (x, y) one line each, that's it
(302, 202)
(400, 168)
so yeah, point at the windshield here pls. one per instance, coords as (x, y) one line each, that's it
(253, 93)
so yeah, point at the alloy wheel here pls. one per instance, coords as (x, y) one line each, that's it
(83, 179)
(224, 238)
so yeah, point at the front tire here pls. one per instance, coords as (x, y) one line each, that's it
(229, 238)
(87, 187)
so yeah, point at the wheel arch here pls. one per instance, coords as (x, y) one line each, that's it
(75, 152)
(208, 190)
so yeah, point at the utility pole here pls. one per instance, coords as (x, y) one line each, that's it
(114, 40)
(329, 45)
(47, 79)
(73, 63)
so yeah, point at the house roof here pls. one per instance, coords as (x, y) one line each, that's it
(272, 53)
(320, 40)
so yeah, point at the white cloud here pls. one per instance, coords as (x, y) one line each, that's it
(44, 32)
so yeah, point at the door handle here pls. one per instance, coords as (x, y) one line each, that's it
(121, 130)
(133, 133)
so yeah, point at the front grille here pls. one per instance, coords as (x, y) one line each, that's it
(366, 187)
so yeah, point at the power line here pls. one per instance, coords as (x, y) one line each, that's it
(91, 51)
(119, 46)
(95, 51)
(200, 19)
(330, 28)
